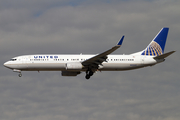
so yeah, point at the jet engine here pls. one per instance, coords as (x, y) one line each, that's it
(74, 66)
(70, 73)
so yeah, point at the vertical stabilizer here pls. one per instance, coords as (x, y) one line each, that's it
(156, 47)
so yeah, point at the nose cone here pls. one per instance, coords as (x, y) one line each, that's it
(7, 64)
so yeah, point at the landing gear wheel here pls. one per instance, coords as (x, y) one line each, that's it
(87, 76)
(91, 73)
(20, 75)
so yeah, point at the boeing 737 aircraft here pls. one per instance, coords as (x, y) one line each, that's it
(72, 65)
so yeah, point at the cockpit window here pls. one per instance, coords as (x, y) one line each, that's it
(13, 59)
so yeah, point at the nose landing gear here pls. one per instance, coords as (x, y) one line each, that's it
(18, 71)
(20, 75)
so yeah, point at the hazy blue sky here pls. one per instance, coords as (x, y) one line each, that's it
(89, 26)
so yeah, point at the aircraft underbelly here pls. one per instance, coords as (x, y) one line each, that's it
(120, 66)
(62, 67)
(45, 67)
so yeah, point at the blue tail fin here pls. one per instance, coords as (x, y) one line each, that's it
(156, 47)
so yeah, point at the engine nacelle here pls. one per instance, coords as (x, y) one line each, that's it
(70, 73)
(74, 66)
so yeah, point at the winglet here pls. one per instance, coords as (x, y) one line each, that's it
(121, 41)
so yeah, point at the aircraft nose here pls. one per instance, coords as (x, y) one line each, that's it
(6, 64)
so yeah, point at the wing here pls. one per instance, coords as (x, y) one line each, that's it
(97, 60)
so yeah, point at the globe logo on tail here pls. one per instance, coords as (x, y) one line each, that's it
(154, 49)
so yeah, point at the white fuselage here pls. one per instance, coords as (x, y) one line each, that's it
(56, 62)
(72, 65)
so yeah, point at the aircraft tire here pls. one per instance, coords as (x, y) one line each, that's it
(91, 73)
(87, 76)
(20, 75)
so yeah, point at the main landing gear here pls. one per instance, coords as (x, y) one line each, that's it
(89, 73)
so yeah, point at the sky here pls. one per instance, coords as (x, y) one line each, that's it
(89, 27)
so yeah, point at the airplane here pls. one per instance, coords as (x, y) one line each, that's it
(72, 65)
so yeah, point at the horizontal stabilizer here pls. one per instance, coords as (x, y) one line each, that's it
(164, 55)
